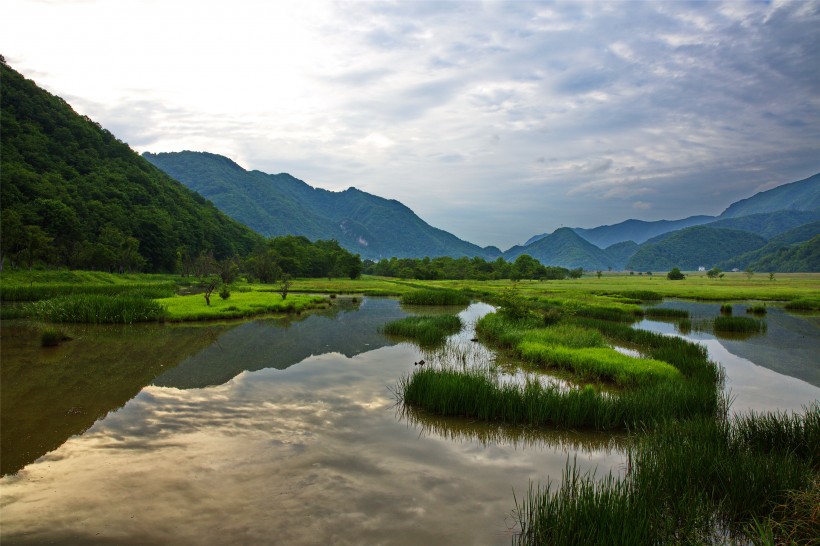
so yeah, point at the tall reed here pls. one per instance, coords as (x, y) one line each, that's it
(97, 309)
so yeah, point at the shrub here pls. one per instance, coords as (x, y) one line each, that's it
(675, 275)
(225, 292)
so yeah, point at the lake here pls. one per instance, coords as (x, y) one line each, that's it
(287, 431)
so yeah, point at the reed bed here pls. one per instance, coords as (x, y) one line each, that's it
(804, 304)
(39, 292)
(426, 330)
(738, 324)
(437, 296)
(666, 313)
(758, 309)
(643, 295)
(698, 481)
(97, 309)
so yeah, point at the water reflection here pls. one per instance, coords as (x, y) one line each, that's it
(309, 454)
(517, 437)
(281, 343)
(50, 394)
(775, 370)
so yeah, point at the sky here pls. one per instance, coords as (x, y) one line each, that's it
(494, 121)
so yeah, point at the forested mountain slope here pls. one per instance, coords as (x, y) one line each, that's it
(73, 195)
(564, 248)
(279, 204)
(801, 195)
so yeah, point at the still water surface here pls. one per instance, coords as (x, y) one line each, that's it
(278, 431)
(267, 432)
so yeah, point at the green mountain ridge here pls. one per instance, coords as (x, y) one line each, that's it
(693, 247)
(801, 195)
(280, 204)
(73, 195)
(780, 253)
(564, 248)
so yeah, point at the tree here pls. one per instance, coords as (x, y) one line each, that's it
(675, 275)
(713, 273)
(576, 273)
(285, 286)
(598, 273)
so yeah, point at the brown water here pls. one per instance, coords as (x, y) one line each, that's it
(261, 432)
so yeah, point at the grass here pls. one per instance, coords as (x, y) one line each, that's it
(435, 297)
(758, 309)
(689, 482)
(738, 324)
(96, 309)
(726, 309)
(666, 313)
(42, 285)
(426, 330)
(804, 304)
(240, 305)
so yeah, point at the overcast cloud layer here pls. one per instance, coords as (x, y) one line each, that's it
(492, 120)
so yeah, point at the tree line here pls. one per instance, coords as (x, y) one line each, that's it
(445, 267)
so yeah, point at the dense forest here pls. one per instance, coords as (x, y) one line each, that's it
(73, 195)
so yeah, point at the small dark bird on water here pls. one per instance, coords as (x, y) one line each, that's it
(421, 363)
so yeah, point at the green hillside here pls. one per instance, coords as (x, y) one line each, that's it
(693, 247)
(564, 248)
(780, 253)
(279, 204)
(620, 253)
(800, 195)
(769, 224)
(73, 195)
(798, 258)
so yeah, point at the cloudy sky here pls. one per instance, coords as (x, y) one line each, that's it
(493, 120)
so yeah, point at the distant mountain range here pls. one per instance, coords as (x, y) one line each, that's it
(279, 204)
(374, 227)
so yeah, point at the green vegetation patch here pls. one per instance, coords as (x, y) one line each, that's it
(666, 313)
(753, 477)
(599, 363)
(804, 304)
(240, 305)
(97, 309)
(738, 324)
(426, 330)
(435, 297)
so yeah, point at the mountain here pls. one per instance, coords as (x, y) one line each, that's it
(279, 204)
(769, 224)
(693, 247)
(620, 253)
(73, 195)
(800, 195)
(564, 248)
(778, 253)
(799, 258)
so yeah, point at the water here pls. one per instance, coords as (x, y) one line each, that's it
(775, 371)
(269, 431)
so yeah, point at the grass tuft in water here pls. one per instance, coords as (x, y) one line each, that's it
(666, 313)
(738, 324)
(759, 309)
(51, 337)
(726, 309)
(426, 330)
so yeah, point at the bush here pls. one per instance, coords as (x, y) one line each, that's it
(225, 292)
(675, 275)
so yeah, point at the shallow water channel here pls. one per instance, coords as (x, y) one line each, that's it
(778, 370)
(283, 431)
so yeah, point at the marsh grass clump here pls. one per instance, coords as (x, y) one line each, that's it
(726, 309)
(666, 313)
(758, 309)
(435, 297)
(426, 330)
(642, 295)
(95, 309)
(696, 481)
(738, 324)
(51, 337)
(804, 304)
(43, 291)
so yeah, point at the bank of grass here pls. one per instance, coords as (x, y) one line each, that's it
(426, 330)
(241, 304)
(97, 309)
(435, 297)
(666, 313)
(697, 481)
